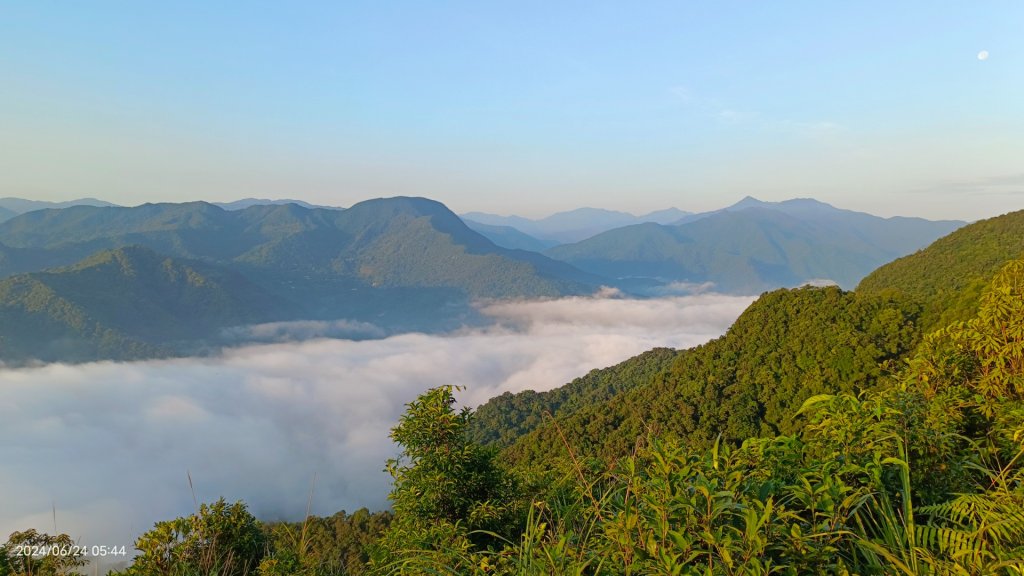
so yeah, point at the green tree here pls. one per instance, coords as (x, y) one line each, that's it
(334, 546)
(449, 493)
(221, 539)
(61, 555)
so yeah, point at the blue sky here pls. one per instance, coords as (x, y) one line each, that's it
(518, 107)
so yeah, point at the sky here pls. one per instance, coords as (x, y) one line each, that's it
(526, 107)
(105, 450)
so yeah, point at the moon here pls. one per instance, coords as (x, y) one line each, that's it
(983, 55)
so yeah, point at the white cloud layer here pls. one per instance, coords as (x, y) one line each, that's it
(109, 445)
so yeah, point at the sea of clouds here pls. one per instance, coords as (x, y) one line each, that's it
(102, 451)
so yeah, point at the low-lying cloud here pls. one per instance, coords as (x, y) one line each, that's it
(109, 446)
(292, 331)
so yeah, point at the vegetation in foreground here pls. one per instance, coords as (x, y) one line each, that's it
(924, 475)
(920, 473)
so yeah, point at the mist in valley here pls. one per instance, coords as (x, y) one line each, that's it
(106, 449)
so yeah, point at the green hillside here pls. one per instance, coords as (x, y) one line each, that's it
(38, 324)
(755, 248)
(786, 347)
(948, 276)
(918, 472)
(122, 304)
(419, 242)
(505, 418)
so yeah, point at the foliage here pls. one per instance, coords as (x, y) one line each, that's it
(505, 418)
(57, 555)
(220, 539)
(921, 473)
(338, 545)
(991, 345)
(449, 493)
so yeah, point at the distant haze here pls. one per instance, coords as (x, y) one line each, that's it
(109, 445)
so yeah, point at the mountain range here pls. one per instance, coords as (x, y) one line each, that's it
(397, 242)
(573, 225)
(250, 202)
(11, 207)
(399, 264)
(754, 246)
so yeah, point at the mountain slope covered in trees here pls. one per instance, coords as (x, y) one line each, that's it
(408, 242)
(399, 263)
(787, 346)
(755, 246)
(505, 418)
(122, 304)
(949, 275)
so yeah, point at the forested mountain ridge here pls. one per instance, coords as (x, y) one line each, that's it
(391, 242)
(787, 346)
(122, 304)
(755, 246)
(918, 472)
(249, 202)
(949, 275)
(503, 419)
(399, 263)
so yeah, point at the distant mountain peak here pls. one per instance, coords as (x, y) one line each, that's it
(245, 203)
(807, 202)
(407, 205)
(664, 216)
(783, 205)
(588, 211)
(747, 202)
